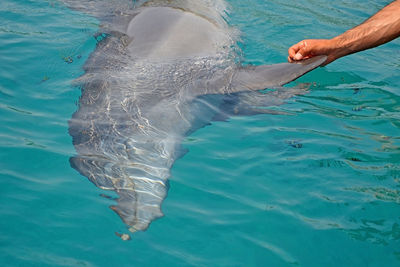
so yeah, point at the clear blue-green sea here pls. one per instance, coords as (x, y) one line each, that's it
(318, 185)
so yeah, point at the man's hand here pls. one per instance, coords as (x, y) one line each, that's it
(313, 47)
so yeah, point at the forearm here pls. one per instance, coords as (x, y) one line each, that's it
(381, 28)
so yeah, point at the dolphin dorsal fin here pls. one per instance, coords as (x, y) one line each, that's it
(252, 78)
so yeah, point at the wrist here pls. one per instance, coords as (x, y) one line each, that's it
(338, 47)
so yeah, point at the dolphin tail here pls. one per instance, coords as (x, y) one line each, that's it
(140, 197)
(268, 76)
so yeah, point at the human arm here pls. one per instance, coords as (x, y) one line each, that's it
(381, 28)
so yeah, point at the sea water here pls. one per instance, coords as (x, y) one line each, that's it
(318, 186)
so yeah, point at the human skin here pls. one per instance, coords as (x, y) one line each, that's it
(381, 28)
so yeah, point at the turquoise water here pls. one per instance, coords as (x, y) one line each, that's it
(317, 187)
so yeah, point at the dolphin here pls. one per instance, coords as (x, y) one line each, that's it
(160, 70)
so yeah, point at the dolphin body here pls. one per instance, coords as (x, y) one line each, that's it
(162, 70)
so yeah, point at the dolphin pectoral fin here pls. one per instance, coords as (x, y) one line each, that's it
(268, 76)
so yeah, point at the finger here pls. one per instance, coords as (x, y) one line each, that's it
(303, 52)
(293, 50)
(298, 56)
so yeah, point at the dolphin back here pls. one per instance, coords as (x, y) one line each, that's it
(142, 93)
